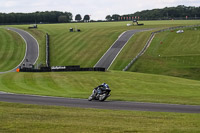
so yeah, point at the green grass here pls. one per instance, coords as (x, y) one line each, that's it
(87, 47)
(39, 35)
(12, 50)
(126, 86)
(84, 48)
(172, 54)
(131, 50)
(21, 118)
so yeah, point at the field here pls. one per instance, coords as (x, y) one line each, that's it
(85, 48)
(126, 86)
(144, 82)
(21, 118)
(94, 39)
(131, 50)
(12, 50)
(172, 54)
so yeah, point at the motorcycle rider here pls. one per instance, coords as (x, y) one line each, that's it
(100, 93)
(101, 88)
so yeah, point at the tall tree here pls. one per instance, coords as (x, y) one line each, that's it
(108, 18)
(115, 17)
(62, 19)
(78, 17)
(86, 18)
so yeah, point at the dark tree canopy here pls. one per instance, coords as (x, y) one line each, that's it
(62, 19)
(78, 17)
(44, 17)
(115, 17)
(87, 17)
(179, 12)
(108, 18)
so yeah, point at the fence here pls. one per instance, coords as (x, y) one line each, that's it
(62, 69)
(149, 42)
(47, 51)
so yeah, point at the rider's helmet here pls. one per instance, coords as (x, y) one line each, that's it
(105, 85)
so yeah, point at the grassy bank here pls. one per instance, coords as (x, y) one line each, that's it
(12, 50)
(126, 86)
(21, 118)
(85, 48)
(40, 36)
(172, 54)
(131, 50)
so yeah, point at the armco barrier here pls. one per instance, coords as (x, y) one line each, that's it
(65, 68)
(47, 51)
(149, 42)
(62, 69)
(141, 53)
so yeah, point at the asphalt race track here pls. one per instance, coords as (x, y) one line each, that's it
(84, 103)
(32, 55)
(32, 46)
(112, 53)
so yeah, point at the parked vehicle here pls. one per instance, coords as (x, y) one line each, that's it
(180, 31)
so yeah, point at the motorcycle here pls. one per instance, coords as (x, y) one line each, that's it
(100, 94)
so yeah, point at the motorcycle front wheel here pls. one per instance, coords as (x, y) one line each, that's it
(90, 98)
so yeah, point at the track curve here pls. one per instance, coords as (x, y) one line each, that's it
(32, 47)
(32, 54)
(108, 58)
(84, 103)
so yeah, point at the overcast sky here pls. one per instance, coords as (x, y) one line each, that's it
(98, 9)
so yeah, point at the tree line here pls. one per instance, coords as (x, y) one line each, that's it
(36, 17)
(179, 12)
(78, 18)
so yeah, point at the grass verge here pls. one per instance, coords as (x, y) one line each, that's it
(131, 50)
(12, 50)
(172, 54)
(21, 118)
(126, 86)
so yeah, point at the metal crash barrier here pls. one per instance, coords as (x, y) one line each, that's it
(61, 69)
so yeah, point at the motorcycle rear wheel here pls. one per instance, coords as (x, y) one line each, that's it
(103, 97)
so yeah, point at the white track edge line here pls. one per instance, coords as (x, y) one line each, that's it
(119, 52)
(12, 70)
(110, 48)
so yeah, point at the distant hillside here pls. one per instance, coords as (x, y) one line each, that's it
(179, 12)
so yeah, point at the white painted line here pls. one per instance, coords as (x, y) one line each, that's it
(109, 48)
(2, 92)
(120, 51)
(13, 70)
(125, 45)
(37, 44)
